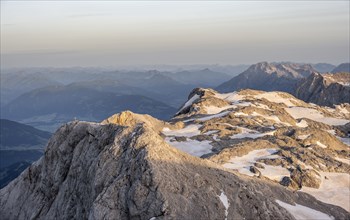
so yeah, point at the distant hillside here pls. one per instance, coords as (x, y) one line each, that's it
(14, 134)
(323, 67)
(344, 67)
(20, 145)
(7, 174)
(52, 106)
(15, 84)
(268, 77)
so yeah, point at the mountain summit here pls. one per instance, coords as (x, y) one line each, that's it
(268, 77)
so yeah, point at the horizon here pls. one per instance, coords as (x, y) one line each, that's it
(114, 34)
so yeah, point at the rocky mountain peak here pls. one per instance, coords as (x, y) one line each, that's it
(269, 77)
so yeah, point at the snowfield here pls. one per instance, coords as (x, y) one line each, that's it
(301, 212)
(242, 164)
(313, 114)
(333, 190)
(193, 147)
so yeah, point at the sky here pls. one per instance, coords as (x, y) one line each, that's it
(120, 33)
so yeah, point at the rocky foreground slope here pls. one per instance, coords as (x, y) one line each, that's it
(241, 155)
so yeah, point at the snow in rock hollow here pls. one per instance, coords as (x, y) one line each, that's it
(276, 98)
(215, 110)
(321, 145)
(242, 164)
(302, 124)
(335, 189)
(313, 114)
(188, 131)
(303, 137)
(232, 97)
(193, 147)
(247, 133)
(301, 212)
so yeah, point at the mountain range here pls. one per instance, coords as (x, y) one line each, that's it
(301, 80)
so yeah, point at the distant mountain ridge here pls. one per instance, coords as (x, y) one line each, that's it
(323, 67)
(14, 134)
(344, 67)
(51, 106)
(268, 77)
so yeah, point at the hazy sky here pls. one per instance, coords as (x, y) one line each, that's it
(113, 33)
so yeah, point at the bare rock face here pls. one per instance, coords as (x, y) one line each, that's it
(325, 89)
(116, 170)
(309, 178)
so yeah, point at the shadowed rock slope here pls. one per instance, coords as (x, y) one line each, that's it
(326, 89)
(123, 169)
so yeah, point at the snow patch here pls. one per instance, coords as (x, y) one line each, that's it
(275, 97)
(247, 133)
(242, 164)
(271, 117)
(206, 118)
(347, 161)
(193, 147)
(224, 200)
(214, 110)
(231, 97)
(241, 114)
(188, 131)
(303, 212)
(334, 190)
(302, 124)
(189, 102)
(303, 137)
(313, 114)
(321, 145)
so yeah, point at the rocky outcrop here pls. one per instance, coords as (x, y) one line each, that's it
(268, 77)
(326, 89)
(123, 169)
